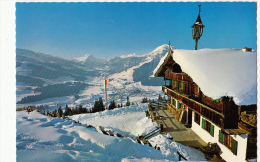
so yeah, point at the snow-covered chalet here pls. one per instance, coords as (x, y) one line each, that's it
(214, 91)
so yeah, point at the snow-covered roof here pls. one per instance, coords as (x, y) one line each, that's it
(221, 72)
(160, 63)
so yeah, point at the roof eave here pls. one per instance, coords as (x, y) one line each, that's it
(157, 74)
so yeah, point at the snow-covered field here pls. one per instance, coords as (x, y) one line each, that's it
(44, 138)
(129, 120)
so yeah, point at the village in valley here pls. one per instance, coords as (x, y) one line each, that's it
(171, 104)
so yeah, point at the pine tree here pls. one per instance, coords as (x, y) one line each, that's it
(112, 105)
(144, 100)
(54, 113)
(95, 108)
(102, 107)
(75, 111)
(98, 106)
(80, 109)
(160, 97)
(127, 101)
(68, 111)
(60, 111)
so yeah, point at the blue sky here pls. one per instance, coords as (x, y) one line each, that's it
(106, 30)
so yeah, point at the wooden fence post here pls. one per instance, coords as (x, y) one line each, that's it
(180, 156)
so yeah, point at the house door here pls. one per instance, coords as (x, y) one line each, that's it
(189, 116)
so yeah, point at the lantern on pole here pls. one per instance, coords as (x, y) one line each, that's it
(197, 30)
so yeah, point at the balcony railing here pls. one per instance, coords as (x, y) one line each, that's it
(209, 113)
(181, 77)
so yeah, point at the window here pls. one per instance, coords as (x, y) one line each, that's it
(211, 130)
(197, 118)
(182, 86)
(206, 125)
(228, 141)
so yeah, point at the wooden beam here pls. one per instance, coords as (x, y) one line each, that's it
(168, 89)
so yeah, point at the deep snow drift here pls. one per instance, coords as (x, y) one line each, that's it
(44, 138)
(220, 72)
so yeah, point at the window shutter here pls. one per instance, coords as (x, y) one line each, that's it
(234, 146)
(175, 83)
(212, 130)
(182, 85)
(220, 137)
(203, 123)
(177, 105)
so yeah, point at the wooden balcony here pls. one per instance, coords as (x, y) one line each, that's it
(178, 77)
(209, 113)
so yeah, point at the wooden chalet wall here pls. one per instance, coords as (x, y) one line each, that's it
(222, 112)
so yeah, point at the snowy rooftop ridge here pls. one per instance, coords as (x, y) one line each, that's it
(220, 72)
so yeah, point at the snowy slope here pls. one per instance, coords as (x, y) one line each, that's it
(220, 72)
(132, 120)
(130, 55)
(43, 138)
(128, 75)
(81, 59)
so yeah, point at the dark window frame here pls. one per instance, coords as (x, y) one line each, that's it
(197, 118)
(229, 142)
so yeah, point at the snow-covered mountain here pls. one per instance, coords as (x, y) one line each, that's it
(91, 62)
(81, 59)
(129, 75)
(130, 55)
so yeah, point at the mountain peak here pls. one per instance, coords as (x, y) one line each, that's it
(130, 55)
(82, 59)
(161, 48)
